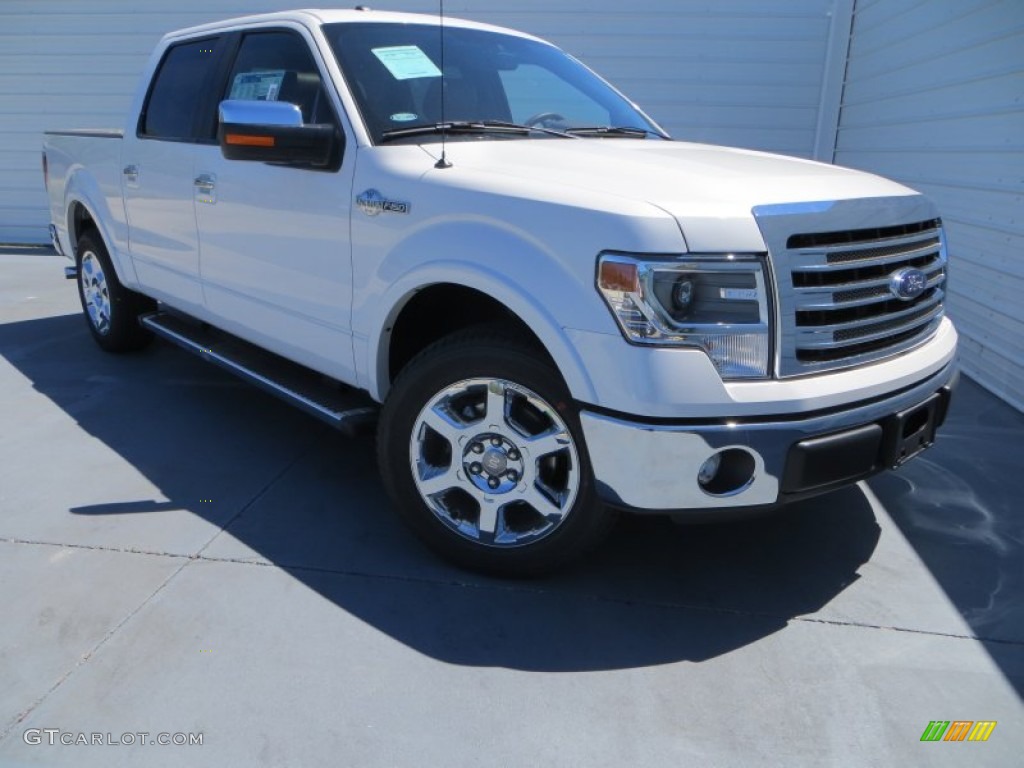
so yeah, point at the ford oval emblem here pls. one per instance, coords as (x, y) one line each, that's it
(908, 283)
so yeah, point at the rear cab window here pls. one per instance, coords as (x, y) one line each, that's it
(174, 109)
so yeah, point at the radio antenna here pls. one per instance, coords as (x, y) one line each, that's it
(443, 162)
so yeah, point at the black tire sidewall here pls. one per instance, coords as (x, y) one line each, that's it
(468, 356)
(125, 333)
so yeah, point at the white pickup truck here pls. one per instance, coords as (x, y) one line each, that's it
(551, 309)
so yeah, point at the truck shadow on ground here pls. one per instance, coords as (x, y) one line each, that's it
(654, 594)
(961, 506)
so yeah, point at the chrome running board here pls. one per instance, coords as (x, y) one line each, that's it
(342, 407)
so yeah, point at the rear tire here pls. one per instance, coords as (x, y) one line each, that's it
(111, 310)
(481, 449)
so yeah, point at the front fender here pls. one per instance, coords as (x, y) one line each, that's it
(529, 301)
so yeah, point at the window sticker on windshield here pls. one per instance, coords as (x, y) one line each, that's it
(406, 62)
(257, 86)
(403, 117)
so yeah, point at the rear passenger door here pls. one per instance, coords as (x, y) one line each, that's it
(157, 166)
(274, 239)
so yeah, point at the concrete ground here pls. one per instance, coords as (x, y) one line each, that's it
(182, 554)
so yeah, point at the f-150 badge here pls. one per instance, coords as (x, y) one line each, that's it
(371, 202)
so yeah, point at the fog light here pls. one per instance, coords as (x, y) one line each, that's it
(709, 469)
(727, 473)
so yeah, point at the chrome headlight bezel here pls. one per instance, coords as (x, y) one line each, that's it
(738, 349)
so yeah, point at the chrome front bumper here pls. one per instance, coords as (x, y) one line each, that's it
(653, 467)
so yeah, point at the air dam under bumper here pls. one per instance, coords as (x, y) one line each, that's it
(654, 467)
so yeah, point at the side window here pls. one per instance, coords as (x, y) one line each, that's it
(531, 90)
(177, 92)
(277, 66)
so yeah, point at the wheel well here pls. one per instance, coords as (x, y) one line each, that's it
(81, 220)
(440, 310)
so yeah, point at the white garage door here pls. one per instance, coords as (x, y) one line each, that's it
(934, 97)
(740, 72)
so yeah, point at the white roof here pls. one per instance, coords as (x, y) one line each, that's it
(311, 17)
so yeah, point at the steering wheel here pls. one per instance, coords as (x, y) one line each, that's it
(543, 119)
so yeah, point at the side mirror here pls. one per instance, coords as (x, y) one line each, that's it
(273, 132)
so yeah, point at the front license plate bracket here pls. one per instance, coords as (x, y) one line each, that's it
(912, 431)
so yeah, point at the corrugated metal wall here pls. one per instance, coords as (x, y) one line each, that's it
(741, 72)
(934, 97)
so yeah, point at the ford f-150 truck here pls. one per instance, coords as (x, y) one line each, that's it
(551, 309)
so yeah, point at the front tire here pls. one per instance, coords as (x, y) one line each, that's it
(111, 310)
(481, 449)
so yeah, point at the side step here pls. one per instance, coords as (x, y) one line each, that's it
(340, 406)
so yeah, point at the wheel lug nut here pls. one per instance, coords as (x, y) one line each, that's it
(493, 482)
(513, 455)
(496, 442)
(476, 468)
(512, 475)
(477, 448)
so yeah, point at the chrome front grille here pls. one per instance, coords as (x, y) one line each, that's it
(843, 304)
(835, 266)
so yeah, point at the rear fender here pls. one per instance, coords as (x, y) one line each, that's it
(83, 190)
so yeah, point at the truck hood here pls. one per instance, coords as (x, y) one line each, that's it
(710, 190)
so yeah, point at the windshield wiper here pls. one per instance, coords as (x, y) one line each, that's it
(623, 131)
(470, 126)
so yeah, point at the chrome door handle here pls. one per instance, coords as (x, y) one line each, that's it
(205, 188)
(130, 173)
(205, 182)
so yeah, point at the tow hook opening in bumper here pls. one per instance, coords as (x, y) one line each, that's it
(913, 430)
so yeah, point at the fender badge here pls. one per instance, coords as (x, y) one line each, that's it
(371, 202)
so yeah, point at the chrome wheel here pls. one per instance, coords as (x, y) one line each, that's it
(95, 292)
(111, 311)
(494, 462)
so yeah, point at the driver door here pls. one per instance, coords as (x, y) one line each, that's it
(275, 255)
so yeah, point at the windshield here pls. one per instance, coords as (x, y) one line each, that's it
(393, 71)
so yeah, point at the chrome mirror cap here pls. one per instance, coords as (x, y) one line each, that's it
(277, 113)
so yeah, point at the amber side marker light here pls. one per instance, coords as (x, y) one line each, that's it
(240, 139)
(618, 276)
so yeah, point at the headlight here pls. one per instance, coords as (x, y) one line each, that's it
(717, 303)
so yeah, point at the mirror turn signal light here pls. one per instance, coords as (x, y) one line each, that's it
(240, 139)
